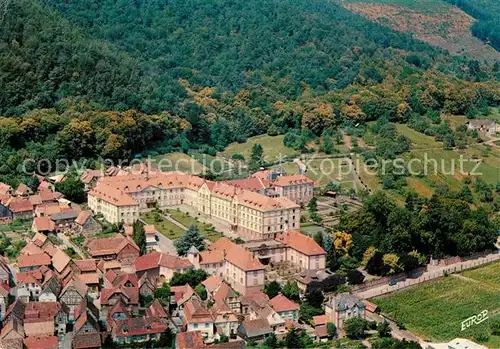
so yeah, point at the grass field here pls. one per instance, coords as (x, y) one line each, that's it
(435, 310)
(178, 162)
(166, 228)
(324, 171)
(273, 147)
(187, 220)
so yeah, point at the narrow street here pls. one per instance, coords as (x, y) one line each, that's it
(67, 242)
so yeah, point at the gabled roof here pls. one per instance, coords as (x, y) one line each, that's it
(112, 245)
(210, 257)
(87, 340)
(224, 292)
(86, 265)
(43, 224)
(17, 308)
(32, 342)
(283, 181)
(13, 325)
(256, 328)
(60, 260)
(280, 303)
(138, 326)
(34, 260)
(301, 243)
(156, 310)
(80, 287)
(190, 340)
(82, 217)
(212, 283)
(182, 293)
(236, 255)
(23, 189)
(130, 294)
(196, 312)
(157, 259)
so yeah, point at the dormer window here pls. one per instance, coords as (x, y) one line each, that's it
(125, 330)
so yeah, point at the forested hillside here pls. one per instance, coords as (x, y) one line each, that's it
(487, 12)
(203, 74)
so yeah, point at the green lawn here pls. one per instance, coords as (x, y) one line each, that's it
(273, 147)
(187, 220)
(166, 228)
(324, 171)
(173, 231)
(436, 310)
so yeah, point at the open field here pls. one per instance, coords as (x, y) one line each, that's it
(432, 21)
(324, 171)
(273, 147)
(436, 309)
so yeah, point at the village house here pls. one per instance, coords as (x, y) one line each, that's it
(254, 300)
(225, 321)
(139, 329)
(127, 296)
(86, 322)
(12, 334)
(151, 239)
(45, 319)
(254, 330)
(302, 251)
(72, 294)
(29, 285)
(225, 294)
(196, 317)
(188, 340)
(490, 127)
(212, 262)
(113, 248)
(160, 267)
(180, 295)
(342, 307)
(43, 225)
(156, 310)
(33, 262)
(46, 342)
(287, 309)
(86, 224)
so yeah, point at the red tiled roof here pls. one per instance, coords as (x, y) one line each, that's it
(82, 217)
(182, 293)
(43, 224)
(106, 246)
(301, 243)
(23, 189)
(321, 331)
(281, 303)
(320, 319)
(156, 310)
(210, 257)
(252, 183)
(131, 294)
(33, 260)
(212, 283)
(86, 265)
(60, 260)
(236, 255)
(87, 340)
(224, 292)
(196, 312)
(44, 311)
(156, 259)
(138, 326)
(21, 206)
(292, 180)
(32, 342)
(190, 340)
